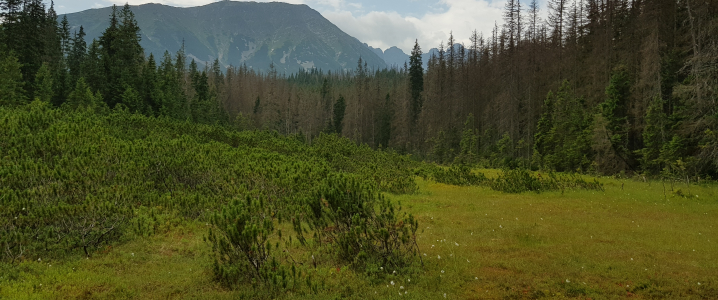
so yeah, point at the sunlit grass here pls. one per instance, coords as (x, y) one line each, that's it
(629, 240)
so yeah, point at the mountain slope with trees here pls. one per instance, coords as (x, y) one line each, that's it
(292, 37)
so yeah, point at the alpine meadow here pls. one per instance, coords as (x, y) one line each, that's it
(570, 153)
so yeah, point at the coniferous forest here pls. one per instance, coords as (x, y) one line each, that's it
(101, 143)
(599, 87)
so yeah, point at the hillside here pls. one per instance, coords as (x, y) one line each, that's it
(292, 37)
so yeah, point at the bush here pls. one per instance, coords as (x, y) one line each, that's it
(521, 180)
(71, 181)
(362, 227)
(460, 175)
(240, 238)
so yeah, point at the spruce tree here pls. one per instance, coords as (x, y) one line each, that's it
(81, 97)
(77, 54)
(386, 117)
(339, 109)
(615, 112)
(416, 82)
(11, 83)
(43, 84)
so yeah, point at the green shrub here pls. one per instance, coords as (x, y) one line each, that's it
(457, 174)
(362, 227)
(241, 238)
(521, 180)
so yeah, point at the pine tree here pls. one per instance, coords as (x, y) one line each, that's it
(122, 55)
(416, 82)
(542, 139)
(93, 68)
(81, 97)
(11, 83)
(131, 98)
(339, 110)
(386, 117)
(77, 55)
(614, 111)
(655, 135)
(43, 84)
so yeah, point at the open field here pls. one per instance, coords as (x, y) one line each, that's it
(629, 241)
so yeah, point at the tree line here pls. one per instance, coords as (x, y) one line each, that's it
(601, 86)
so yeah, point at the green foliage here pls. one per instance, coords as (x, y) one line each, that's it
(240, 239)
(361, 226)
(468, 144)
(82, 98)
(11, 83)
(416, 80)
(339, 109)
(562, 141)
(457, 174)
(655, 135)
(43, 84)
(389, 171)
(76, 180)
(521, 180)
(131, 99)
(615, 111)
(384, 120)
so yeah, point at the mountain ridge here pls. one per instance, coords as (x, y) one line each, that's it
(292, 37)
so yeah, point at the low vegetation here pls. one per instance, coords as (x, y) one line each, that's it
(90, 200)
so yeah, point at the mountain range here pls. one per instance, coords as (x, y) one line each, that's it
(292, 37)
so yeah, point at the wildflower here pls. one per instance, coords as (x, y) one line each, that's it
(432, 246)
(699, 283)
(568, 281)
(409, 280)
(380, 268)
(476, 278)
(392, 282)
(501, 226)
(438, 256)
(444, 295)
(401, 287)
(393, 272)
(455, 243)
(442, 271)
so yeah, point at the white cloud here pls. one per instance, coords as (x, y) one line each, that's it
(386, 29)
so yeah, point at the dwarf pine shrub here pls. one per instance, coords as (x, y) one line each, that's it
(361, 226)
(521, 180)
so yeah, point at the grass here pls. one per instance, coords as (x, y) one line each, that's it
(628, 241)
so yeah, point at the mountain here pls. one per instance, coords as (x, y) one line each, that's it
(293, 37)
(395, 57)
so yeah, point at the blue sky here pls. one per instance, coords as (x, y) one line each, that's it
(379, 23)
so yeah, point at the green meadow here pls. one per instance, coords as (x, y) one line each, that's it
(635, 239)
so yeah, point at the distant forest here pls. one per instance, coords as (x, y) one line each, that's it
(601, 87)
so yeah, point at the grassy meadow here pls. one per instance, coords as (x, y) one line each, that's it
(632, 240)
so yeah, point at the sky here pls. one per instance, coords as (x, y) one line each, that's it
(379, 23)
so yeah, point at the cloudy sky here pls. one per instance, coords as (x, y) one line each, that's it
(379, 23)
